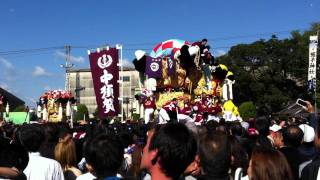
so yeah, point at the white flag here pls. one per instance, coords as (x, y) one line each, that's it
(312, 70)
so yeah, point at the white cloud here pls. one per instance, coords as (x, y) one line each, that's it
(76, 59)
(40, 71)
(9, 72)
(219, 52)
(6, 63)
(127, 63)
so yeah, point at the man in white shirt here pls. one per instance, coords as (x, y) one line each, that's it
(31, 137)
(86, 176)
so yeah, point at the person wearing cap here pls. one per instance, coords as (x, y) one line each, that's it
(168, 112)
(307, 147)
(140, 64)
(311, 170)
(185, 112)
(214, 111)
(273, 134)
(149, 107)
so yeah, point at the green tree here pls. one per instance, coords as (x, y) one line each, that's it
(247, 110)
(96, 113)
(82, 111)
(21, 108)
(272, 72)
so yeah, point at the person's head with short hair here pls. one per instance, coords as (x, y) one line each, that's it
(236, 129)
(104, 154)
(278, 139)
(222, 129)
(51, 131)
(65, 154)
(64, 134)
(169, 150)
(175, 101)
(267, 163)
(12, 154)
(31, 136)
(215, 155)
(262, 125)
(292, 136)
(204, 42)
(239, 156)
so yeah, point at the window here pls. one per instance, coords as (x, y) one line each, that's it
(126, 78)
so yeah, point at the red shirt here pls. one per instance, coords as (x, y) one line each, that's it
(185, 110)
(198, 118)
(214, 110)
(201, 107)
(149, 104)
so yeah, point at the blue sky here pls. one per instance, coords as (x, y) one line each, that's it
(138, 24)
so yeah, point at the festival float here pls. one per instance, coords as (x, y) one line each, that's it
(55, 105)
(178, 69)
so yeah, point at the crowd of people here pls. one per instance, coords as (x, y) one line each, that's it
(257, 149)
(200, 111)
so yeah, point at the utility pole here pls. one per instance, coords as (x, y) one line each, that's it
(68, 67)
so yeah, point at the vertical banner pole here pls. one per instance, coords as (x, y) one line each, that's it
(130, 95)
(121, 81)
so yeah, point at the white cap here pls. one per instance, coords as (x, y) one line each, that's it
(147, 92)
(139, 54)
(275, 128)
(245, 125)
(308, 132)
(193, 50)
(151, 84)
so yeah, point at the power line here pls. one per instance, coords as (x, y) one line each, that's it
(24, 54)
(228, 38)
(38, 50)
(210, 39)
(23, 51)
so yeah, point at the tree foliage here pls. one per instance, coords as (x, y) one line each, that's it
(21, 108)
(82, 111)
(247, 110)
(272, 72)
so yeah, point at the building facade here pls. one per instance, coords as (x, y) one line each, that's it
(81, 86)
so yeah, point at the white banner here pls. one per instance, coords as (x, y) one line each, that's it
(312, 70)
